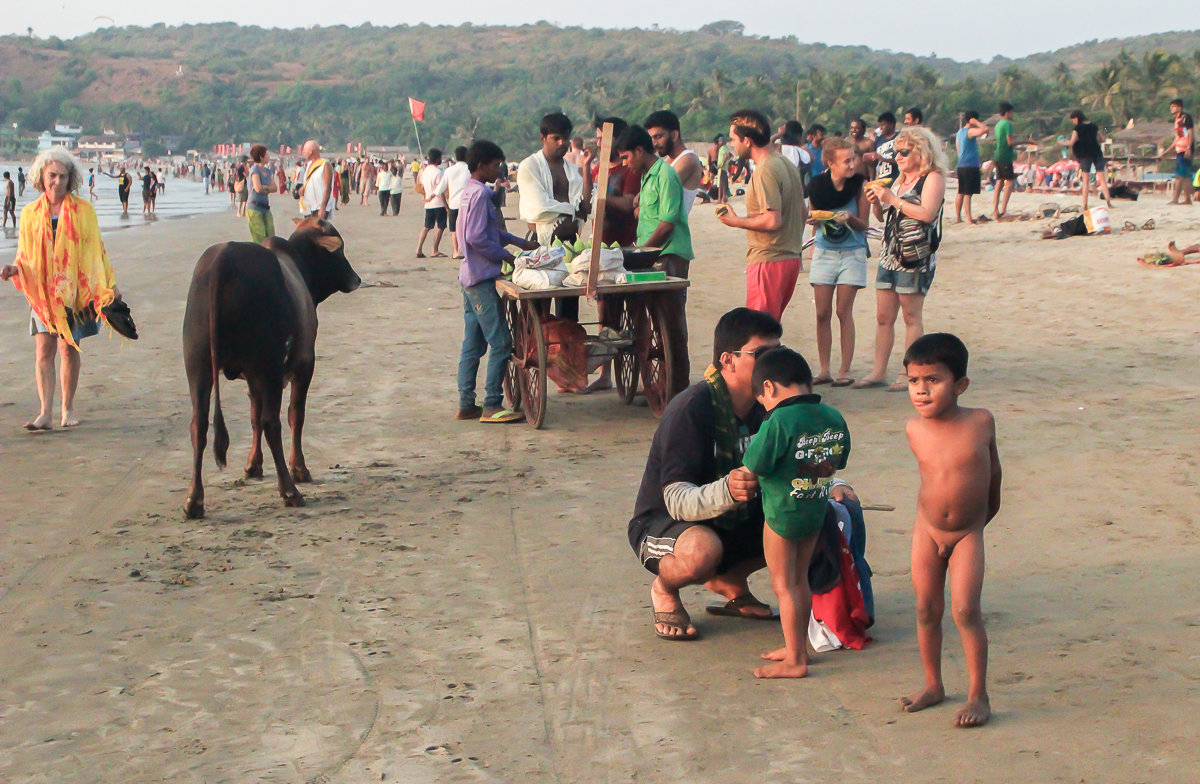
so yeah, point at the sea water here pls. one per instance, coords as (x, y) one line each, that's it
(182, 198)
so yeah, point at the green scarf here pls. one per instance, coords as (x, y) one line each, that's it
(728, 444)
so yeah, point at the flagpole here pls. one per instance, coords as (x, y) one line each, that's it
(419, 149)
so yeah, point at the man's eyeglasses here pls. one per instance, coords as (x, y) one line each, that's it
(756, 353)
(903, 153)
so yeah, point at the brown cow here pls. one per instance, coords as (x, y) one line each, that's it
(252, 313)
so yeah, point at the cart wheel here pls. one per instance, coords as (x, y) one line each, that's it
(512, 376)
(654, 356)
(532, 368)
(625, 363)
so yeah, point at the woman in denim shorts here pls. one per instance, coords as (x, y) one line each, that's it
(839, 261)
(902, 283)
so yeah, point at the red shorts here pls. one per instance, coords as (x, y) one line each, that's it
(769, 285)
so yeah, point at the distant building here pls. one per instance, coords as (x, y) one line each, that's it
(68, 129)
(103, 144)
(50, 139)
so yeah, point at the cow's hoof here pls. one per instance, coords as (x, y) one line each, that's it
(193, 510)
(293, 500)
(254, 472)
(301, 474)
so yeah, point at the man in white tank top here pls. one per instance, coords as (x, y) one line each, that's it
(663, 127)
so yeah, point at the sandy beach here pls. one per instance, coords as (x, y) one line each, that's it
(459, 603)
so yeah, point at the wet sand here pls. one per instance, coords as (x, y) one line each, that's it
(458, 603)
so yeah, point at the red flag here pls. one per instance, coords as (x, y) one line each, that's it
(417, 108)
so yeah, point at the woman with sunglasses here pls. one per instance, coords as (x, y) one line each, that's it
(911, 212)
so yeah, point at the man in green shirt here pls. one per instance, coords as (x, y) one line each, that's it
(1003, 158)
(662, 222)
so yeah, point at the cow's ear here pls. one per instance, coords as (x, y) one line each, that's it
(330, 243)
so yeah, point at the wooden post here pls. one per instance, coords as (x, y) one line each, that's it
(606, 142)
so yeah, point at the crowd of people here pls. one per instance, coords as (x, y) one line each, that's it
(742, 467)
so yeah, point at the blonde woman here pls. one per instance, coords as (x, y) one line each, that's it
(62, 269)
(911, 212)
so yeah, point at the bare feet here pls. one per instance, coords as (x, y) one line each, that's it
(665, 601)
(975, 714)
(927, 697)
(781, 668)
(822, 378)
(1174, 252)
(39, 422)
(69, 419)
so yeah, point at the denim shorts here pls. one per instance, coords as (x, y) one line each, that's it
(838, 267)
(905, 282)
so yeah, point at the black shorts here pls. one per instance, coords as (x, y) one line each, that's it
(968, 180)
(453, 220)
(1004, 171)
(435, 216)
(659, 532)
(1091, 164)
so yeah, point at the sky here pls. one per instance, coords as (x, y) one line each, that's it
(949, 28)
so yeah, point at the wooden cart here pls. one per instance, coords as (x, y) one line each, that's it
(641, 351)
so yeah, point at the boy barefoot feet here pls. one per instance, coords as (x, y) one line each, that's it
(959, 495)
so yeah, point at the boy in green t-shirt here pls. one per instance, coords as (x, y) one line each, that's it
(794, 454)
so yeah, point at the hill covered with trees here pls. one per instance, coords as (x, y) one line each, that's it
(223, 82)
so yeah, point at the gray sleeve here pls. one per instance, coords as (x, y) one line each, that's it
(688, 502)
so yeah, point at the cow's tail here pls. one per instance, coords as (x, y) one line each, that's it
(220, 433)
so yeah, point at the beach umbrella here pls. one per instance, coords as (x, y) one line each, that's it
(1062, 166)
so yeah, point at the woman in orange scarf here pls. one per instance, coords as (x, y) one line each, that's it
(63, 271)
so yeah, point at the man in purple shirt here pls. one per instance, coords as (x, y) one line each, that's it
(482, 242)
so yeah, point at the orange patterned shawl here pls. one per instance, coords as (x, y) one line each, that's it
(62, 272)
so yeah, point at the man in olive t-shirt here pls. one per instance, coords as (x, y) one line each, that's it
(1003, 159)
(775, 216)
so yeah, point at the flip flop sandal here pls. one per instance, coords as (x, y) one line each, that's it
(438, 255)
(1129, 226)
(842, 382)
(734, 609)
(678, 619)
(501, 417)
(1148, 225)
(819, 381)
(864, 384)
(898, 386)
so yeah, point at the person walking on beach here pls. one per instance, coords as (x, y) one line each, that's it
(485, 329)
(911, 212)
(433, 191)
(20, 181)
(1184, 147)
(383, 182)
(10, 200)
(258, 205)
(92, 185)
(1003, 159)
(1085, 147)
(969, 182)
(397, 186)
(775, 216)
(147, 189)
(62, 269)
(316, 185)
(456, 180)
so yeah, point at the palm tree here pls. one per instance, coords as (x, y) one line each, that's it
(1062, 75)
(1104, 89)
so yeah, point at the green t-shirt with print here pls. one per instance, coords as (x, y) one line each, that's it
(795, 455)
(1004, 151)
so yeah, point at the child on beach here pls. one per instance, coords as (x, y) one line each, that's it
(795, 455)
(956, 454)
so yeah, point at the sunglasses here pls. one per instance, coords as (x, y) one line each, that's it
(900, 153)
(758, 352)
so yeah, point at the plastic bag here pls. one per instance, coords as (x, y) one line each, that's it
(536, 279)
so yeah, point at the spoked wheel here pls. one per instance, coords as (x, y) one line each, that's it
(625, 363)
(512, 376)
(531, 370)
(653, 346)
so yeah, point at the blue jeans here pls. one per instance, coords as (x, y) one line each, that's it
(484, 328)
